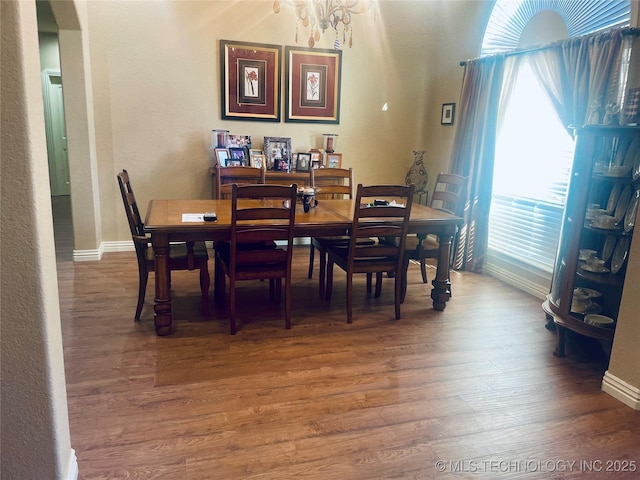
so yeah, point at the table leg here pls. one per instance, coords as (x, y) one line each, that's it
(162, 303)
(441, 292)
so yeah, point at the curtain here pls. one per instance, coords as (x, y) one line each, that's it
(474, 147)
(581, 73)
(575, 72)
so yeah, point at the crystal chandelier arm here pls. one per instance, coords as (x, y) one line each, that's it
(320, 14)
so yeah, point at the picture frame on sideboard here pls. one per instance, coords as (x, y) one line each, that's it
(258, 161)
(334, 160)
(222, 155)
(238, 154)
(278, 153)
(303, 162)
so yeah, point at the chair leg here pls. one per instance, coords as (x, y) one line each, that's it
(205, 283)
(278, 283)
(219, 281)
(405, 268)
(312, 251)
(232, 307)
(423, 270)
(322, 273)
(142, 289)
(349, 297)
(378, 284)
(398, 294)
(369, 277)
(287, 302)
(329, 289)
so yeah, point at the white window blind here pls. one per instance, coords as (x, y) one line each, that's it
(510, 17)
(533, 160)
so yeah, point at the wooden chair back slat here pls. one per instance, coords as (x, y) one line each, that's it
(130, 205)
(449, 193)
(393, 229)
(226, 176)
(332, 182)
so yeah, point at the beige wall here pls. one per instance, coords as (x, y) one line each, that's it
(49, 51)
(625, 355)
(35, 428)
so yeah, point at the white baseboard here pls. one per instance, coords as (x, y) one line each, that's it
(109, 247)
(520, 282)
(302, 241)
(95, 255)
(621, 390)
(72, 471)
(127, 246)
(88, 255)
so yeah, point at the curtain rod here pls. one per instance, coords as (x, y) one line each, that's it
(625, 31)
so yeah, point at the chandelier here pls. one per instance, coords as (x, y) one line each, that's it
(319, 15)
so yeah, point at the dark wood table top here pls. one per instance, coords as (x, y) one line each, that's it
(329, 217)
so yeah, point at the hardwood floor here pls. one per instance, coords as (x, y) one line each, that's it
(475, 386)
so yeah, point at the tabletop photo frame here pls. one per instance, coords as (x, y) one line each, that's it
(316, 158)
(250, 81)
(277, 151)
(238, 155)
(334, 160)
(312, 82)
(303, 162)
(222, 155)
(258, 161)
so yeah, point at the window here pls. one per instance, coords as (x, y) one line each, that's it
(534, 151)
(531, 173)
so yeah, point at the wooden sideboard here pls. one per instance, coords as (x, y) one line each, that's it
(272, 176)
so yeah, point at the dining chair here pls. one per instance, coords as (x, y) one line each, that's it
(449, 195)
(260, 215)
(182, 256)
(226, 176)
(331, 183)
(380, 211)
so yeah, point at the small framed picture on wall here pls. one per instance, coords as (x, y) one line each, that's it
(448, 113)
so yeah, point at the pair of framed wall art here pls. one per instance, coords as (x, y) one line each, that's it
(251, 83)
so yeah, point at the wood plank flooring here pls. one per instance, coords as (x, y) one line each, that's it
(476, 386)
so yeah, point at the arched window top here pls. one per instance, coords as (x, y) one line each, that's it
(509, 18)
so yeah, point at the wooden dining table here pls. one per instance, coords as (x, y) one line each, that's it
(164, 222)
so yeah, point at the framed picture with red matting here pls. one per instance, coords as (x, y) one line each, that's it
(250, 81)
(312, 85)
